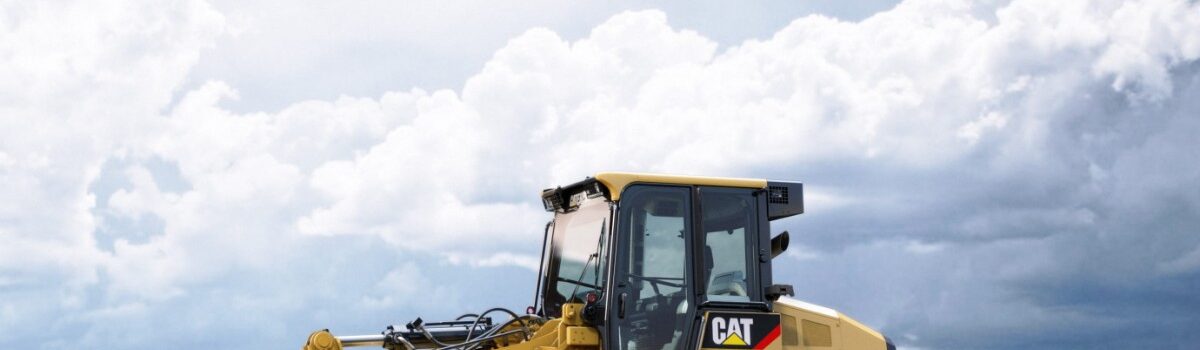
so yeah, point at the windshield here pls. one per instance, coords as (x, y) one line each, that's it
(578, 254)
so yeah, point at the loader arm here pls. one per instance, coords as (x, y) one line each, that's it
(565, 333)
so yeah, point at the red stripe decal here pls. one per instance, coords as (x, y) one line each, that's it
(762, 344)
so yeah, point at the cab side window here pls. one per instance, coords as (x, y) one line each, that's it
(728, 219)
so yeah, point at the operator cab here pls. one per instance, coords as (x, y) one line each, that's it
(649, 254)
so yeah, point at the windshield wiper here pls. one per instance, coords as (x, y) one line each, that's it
(579, 283)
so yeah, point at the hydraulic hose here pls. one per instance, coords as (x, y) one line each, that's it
(472, 340)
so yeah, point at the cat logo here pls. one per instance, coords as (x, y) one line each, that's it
(731, 331)
(728, 330)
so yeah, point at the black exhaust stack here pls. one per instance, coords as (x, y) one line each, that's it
(779, 244)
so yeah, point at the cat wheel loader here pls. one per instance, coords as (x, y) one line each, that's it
(649, 262)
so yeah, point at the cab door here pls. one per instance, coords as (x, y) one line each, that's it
(653, 295)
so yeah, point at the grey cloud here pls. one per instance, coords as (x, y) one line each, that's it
(1085, 243)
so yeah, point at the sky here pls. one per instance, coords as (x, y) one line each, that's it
(979, 175)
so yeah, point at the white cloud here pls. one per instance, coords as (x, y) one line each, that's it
(399, 286)
(529, 262)
(72, 95)
(973, 130)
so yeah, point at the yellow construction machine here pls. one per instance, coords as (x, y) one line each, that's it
(649, 262)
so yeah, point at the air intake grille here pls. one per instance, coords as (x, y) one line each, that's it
(778, 194)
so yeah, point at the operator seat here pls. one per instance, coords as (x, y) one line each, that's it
(729, 283)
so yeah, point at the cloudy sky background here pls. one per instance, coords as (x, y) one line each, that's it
(185, 174)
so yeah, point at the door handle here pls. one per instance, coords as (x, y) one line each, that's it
(621, 305)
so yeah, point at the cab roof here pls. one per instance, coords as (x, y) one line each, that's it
(616, 182)
(784, 198)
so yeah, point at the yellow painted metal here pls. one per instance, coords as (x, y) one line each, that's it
(855, 335)
(790, 335)
(617, 181)
(572, 314)
(581, 336)
(822, 328)
(322, 340)
(565, 333)
(816, 334)
(573, 333)
(545, 337)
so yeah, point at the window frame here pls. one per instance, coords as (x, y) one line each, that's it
(621, 256)
(552, 253)
(753, 249)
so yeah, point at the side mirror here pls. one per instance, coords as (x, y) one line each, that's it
(779, 244)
